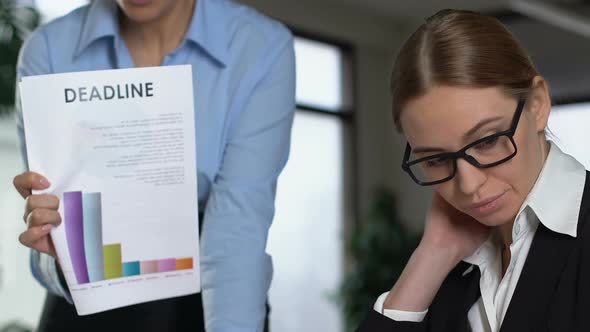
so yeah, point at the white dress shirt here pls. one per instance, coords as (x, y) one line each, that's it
(555, 202)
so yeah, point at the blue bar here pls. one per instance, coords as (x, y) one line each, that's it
(131, 269)
(91, 205)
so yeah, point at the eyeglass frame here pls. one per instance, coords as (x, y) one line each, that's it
(406, 164)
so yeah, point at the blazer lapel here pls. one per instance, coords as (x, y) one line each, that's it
(538, 280)
(457, 294)
(472, 294)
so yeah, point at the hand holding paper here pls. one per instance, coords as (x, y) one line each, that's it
(41, 212)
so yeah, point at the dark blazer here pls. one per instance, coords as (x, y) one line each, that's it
(552, 293)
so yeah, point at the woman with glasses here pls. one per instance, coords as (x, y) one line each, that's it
(506, 246)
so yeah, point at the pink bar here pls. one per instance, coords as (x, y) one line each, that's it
(147, 267)
(165, 265)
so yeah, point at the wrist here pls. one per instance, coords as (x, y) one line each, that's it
(440, 258)
(421, 279)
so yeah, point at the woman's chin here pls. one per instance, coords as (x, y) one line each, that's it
(497, 219)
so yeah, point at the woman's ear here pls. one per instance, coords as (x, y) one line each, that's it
(539, 103)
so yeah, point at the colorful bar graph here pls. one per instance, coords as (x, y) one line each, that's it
(131, 269)
(113, 264)
(94, 261)
(73, 219)
(92, 213)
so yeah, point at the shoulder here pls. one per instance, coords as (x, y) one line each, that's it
(49, 41)
(57, 29)
(64, 24)
(252, 35)
(245, 20)
(584, 214)
(583, 231)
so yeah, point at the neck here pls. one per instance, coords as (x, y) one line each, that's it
(163, 34)
(506, 234)
(506, 238)
(545, 147)
(506, 229)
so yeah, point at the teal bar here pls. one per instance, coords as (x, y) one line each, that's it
(130, 269)
(92, 215)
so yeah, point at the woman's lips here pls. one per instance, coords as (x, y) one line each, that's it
(139, 2)
(489, 205)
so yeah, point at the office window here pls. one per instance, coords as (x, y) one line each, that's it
(306, 238)
(323, 76)
(568, 125)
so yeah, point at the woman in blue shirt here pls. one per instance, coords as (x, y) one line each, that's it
(243, 69)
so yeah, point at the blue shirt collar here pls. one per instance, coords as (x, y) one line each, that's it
(101, 21)
(208, 27)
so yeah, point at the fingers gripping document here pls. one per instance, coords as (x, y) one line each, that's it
(118, 147)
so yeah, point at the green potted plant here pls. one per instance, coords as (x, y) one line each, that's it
(377, 251)
(15, 24)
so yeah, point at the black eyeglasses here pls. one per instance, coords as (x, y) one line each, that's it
(486, 152)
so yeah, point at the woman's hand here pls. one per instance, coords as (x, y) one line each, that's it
(449, 236)
(452, 231)
(40, 213)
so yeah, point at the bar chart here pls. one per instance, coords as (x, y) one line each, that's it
(92, 259)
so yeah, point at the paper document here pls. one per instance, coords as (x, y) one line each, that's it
(118, 147)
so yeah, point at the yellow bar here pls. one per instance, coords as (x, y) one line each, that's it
(113, 263)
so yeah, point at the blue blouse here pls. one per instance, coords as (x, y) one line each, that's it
(244, 96)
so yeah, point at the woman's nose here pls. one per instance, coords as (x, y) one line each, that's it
(469, 177)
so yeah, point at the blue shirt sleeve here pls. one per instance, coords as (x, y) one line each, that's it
(34, 60)
(236, 270)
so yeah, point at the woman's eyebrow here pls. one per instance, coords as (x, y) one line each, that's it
(422, 149)
(479, 125)
(466, 136)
